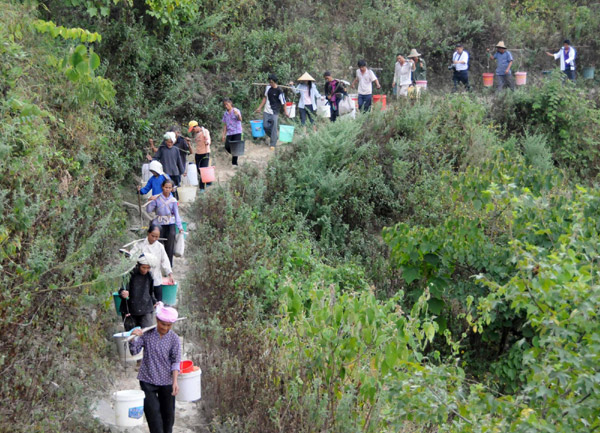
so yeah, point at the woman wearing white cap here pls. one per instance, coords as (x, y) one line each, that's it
(159, 370)
(307, 104)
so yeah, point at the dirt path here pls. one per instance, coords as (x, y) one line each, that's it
(189, 417)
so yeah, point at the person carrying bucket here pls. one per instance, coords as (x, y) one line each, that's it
(138, 296)
(504, 61)
(567, 59)
(170, 159)
(232, 127)
(150, 245)
(365, 78)
(307, 105)
(334, 92)
(159, 370)
(273, 101)
(167, 217)
(402, 76)
(200, 147)
(419, 67)
(180, 143)
(156, 180)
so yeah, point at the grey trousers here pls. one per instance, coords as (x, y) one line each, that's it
(270, 124)
(505, 81)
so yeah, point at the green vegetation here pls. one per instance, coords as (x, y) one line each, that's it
(430, 268)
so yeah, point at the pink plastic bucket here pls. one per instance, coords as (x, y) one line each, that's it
(207, 174)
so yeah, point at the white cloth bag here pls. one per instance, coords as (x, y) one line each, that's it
(179, 245)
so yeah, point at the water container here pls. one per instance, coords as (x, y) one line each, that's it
(146, 175)
(324, 111)
(190, 385)
(186, 366)
(257, 128)
(117, 300)
(290, 109)
(520, 78)
(123, 348)
(588, 72)
(380, 98)
(187, 194)
(422, 84)
(236, 148)
(192, 174)
(129, 407)
(169, 292)
(184, 224)
(488, 79)
(286, 133)
(207, 174)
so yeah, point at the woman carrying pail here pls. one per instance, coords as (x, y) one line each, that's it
(232, 127)
(150, 245)
(167, 217)
(159, 370)
(307, 105)
(138, 297)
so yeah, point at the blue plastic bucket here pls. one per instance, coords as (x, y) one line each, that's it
(169, 294)
(257, 128)
(117, 300)
(286, 133)
(184, 224)
(588, 72)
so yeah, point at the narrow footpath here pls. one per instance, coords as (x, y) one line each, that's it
(189, 416)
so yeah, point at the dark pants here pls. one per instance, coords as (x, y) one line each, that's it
(158, 293)
(505, 81)
(232, 137)
(168, 232)
(159, 407)
(461, 77)
(570, 74)
(202, 160)
(364, 102)
(307, 111)
(130, 322)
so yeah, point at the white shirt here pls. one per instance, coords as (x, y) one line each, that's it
(364, 82)
(569, 62)
(402, 73)
(158, 250)
(464, 57)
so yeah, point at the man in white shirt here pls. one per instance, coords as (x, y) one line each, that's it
(365, 78)
(402, 76)
(460, 64)
(567, 59)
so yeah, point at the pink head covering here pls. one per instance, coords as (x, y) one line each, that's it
(167, 314)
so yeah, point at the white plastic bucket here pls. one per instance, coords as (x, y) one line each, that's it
(187, 194)
(129, 407)
(123, 348)
(190, 387)
(422, 84)
(192, 174)
(290, 109)
(324, 111)
(146, 175)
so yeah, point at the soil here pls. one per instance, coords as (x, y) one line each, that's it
(189, 416)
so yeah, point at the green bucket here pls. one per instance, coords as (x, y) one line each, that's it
(184, 224)
(286, 133)
(588, 72)
(117, 300)
(169, 293)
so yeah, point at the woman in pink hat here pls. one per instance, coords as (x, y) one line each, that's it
(159, 370)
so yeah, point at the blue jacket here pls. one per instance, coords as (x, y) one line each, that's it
(155, 184)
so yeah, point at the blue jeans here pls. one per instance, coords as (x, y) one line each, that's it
(570, 74)
(364, 102)
(270, 127)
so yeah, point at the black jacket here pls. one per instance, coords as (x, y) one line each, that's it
(141, 294)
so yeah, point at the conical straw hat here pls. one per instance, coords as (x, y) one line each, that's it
(414, 53)
(501, 45)
(306, 77)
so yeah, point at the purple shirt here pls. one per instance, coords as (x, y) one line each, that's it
(167, 211)
(232, 123)
(161, 356)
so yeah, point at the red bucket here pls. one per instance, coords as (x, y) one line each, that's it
(380, 98)
(488, 79)
(207, 174)
(186, 366)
